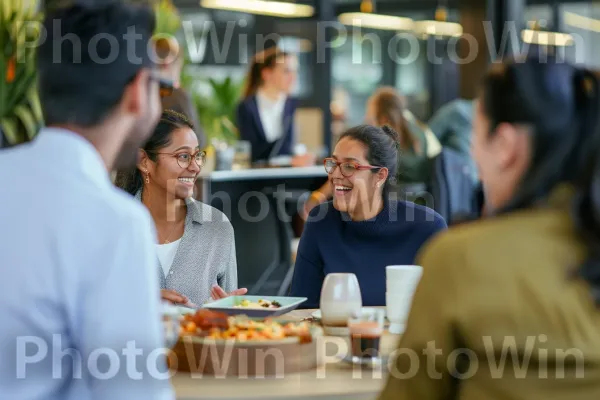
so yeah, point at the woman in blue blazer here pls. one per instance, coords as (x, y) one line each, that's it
(265, 117)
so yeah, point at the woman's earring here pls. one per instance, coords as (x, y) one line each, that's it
(147, 176)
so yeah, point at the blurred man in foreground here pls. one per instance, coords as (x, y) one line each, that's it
(79, 251)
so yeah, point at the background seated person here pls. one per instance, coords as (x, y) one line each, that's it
(265, 116)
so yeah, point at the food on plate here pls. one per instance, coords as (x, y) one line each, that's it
(206, 319)
(260, 304)
(215, 325)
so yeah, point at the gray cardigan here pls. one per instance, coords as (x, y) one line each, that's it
(205, 256)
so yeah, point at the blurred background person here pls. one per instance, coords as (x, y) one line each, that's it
(265, 116)
(170, 57)
(417, 143)
(532, 269)
(196, 245)
(452, 124)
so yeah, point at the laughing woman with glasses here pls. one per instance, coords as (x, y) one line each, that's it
(362, 230)
(196, 247)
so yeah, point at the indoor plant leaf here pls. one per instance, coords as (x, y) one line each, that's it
(25, 115)
(20, 110)
(9, 128)
(34, 102)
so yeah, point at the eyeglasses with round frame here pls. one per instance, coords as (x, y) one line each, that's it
(184, 159)
(347, 168)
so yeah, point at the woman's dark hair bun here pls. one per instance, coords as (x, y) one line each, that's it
(391, 132)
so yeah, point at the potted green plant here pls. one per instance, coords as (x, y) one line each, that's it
(20, 110)
(217, 110)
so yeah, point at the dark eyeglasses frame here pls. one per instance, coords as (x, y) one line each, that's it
(355, 165)
(193, 157)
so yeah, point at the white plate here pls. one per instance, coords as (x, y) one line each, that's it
(230, 305)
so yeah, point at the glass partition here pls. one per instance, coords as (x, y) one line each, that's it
(357, 71)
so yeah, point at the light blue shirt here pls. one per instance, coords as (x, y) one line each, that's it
(78, 272)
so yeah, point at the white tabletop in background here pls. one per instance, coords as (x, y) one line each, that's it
(265, 173)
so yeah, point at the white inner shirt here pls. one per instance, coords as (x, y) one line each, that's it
(271, 115)
(166, 254)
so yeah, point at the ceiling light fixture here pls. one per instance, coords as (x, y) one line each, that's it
(440, 26)
(581, 22)
(366, 18)
(536, 35)
(263, 7)
(542, 38)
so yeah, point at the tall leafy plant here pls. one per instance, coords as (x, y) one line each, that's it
(20, 110)
(217, 110)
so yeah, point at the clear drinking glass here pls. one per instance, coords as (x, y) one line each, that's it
(366, 328)
(242, 158)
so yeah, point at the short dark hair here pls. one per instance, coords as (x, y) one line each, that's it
(131, 180)
(560, 103)
(86, 61)
(382, 146)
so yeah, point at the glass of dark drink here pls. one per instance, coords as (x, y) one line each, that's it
(366, 327)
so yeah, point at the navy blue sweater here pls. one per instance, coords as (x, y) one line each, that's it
(332, 242)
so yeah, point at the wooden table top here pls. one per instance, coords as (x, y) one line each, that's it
(332, 381)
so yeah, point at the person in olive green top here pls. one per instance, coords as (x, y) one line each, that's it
(508, 306)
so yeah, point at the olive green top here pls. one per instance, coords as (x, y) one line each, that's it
(497, 286)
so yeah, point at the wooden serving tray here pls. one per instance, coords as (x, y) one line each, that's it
(223, 358)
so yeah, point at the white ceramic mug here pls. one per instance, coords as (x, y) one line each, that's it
(340, 298)
(401, 283)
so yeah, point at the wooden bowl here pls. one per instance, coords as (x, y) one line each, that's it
(222, 358)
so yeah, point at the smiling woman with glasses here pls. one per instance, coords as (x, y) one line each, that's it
(362, 231)
(196, 249)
